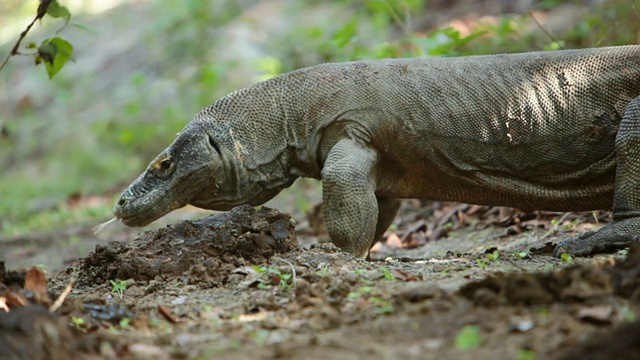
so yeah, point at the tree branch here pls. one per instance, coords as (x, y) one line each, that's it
(42, 10)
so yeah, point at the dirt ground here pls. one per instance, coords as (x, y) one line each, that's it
(237, 285)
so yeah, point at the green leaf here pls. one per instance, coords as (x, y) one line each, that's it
(55, 52)
(566, 258)
(346, 34)
(46, 52)
(525, 354)
(56, 10)
(468, 338)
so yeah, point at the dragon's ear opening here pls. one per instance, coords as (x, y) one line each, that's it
(214, 145)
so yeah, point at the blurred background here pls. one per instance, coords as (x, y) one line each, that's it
(141, 69)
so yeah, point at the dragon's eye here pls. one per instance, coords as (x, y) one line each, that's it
(165, 164)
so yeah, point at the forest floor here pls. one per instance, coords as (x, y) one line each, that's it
(450, 282)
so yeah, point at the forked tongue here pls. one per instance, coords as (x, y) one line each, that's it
(99, 227)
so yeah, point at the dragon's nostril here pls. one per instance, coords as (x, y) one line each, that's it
(122, 201)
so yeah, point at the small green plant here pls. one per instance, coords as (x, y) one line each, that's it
(382, 306)
(569, 225)
(493, 256)
(362, 290)
(468, 338)
(626, 313)
(125, 323)
(526, 354)
(447, 225)
(119, 286)
(566, 258)
(387, 273)
(522, 254)
(259, 336)
(286, 280)
(483, 263)
(79, 323)
(324, 271)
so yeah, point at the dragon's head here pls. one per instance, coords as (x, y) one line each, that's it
(192, 170)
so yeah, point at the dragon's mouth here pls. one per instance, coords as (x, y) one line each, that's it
(134, 221)
(143, 216)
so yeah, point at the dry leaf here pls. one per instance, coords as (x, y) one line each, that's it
(245, 270)
(598, 313)
(415, 240)
(36, 282)
(166, 312)
(3, 304)
(402, 275)
(15, 298)
(394, 242)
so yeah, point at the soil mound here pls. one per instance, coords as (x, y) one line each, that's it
(207, 249)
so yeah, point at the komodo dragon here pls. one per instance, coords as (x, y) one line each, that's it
(556, 130)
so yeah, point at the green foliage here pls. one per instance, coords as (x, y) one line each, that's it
(382, 305)
(526, 354)
(125, 323)
(468, 338)
(566, 258)
(447, 41)
(493, 256)
(286, 281)
(363, 290)
(56, 10)
(79, 323)
(55, 51)
(119, 286)
(386, 273)
(482, 263)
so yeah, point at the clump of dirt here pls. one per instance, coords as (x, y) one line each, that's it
(625, 275)
(581, 283)
(207, 249)
(567, 285)
(621, 343)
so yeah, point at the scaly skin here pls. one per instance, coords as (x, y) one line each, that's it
(543, 130)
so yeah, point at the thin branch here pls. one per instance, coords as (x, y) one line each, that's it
(544, 30)
(397, 19)
(42, 10)
(56, 305)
